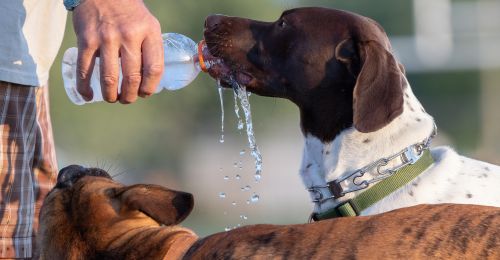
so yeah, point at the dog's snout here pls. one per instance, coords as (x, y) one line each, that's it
(213, 21)
(68, 174)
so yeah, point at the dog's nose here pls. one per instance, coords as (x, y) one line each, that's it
(68, 174)
(213, 21)
(71, 174)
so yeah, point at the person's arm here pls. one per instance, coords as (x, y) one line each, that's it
(118, 28)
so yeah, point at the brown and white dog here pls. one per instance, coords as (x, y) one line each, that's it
(90, 216)
(356, 105)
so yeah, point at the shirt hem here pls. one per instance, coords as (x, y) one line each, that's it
(22, 78)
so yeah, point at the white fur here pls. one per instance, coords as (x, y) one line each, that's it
(451, 179)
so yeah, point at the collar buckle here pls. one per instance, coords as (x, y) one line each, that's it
(413, 153)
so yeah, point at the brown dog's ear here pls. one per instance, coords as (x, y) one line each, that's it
(378, 93)
(165, 206)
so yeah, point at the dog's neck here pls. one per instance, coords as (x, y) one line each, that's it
(168, 242)
(350, 150)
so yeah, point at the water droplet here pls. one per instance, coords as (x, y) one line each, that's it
(254, 198)
(257, 177)
(240, 165)
(222, 195)
(235, 165)
(237, 177)
(233, 203)
(242, 152)
(243, 217)
(247, 188)
(226, 178)
(227, 229)
(221, 140)
(248, 201)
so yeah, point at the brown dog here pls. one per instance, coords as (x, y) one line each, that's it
(90, 216)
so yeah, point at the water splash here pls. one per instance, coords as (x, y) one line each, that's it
(221, 98)
(241, 93)
(244, 119)
(237, 111)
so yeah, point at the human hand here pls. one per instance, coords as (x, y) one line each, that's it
(118, 28)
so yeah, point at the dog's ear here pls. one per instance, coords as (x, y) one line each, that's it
(378, 93)
(165, 206)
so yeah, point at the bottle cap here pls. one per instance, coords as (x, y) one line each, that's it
(203, 66)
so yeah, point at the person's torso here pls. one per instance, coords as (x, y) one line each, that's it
(31, 32)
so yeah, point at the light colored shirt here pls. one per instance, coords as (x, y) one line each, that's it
(31, 33)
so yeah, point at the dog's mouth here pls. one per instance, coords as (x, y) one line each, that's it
(229, 74)
(225, 70)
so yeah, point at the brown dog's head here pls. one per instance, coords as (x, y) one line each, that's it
(87, 212)
(336, 66)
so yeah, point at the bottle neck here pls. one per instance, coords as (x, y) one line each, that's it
(202, 49)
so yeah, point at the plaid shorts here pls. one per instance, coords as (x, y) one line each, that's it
(28, 168)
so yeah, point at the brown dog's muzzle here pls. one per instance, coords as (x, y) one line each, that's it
(229, 39)
(70, 174)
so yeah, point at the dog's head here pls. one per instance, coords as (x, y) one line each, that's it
(87, 211)
(336, 66)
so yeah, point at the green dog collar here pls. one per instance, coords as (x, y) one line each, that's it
(380, 190)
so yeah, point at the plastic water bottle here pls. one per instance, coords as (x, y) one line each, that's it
(184, 59)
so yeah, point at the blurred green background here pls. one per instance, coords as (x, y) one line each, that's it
(448, 47)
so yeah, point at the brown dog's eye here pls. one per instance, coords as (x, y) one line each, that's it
(282, 24)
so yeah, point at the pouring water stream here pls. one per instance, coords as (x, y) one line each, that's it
(241, 99)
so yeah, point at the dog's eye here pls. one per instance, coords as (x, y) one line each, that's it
(282, 24)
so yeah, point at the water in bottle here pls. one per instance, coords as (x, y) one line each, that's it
(184, 59)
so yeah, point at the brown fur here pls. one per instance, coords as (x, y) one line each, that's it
(93, 217)
(335, 65)
(89, 216)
